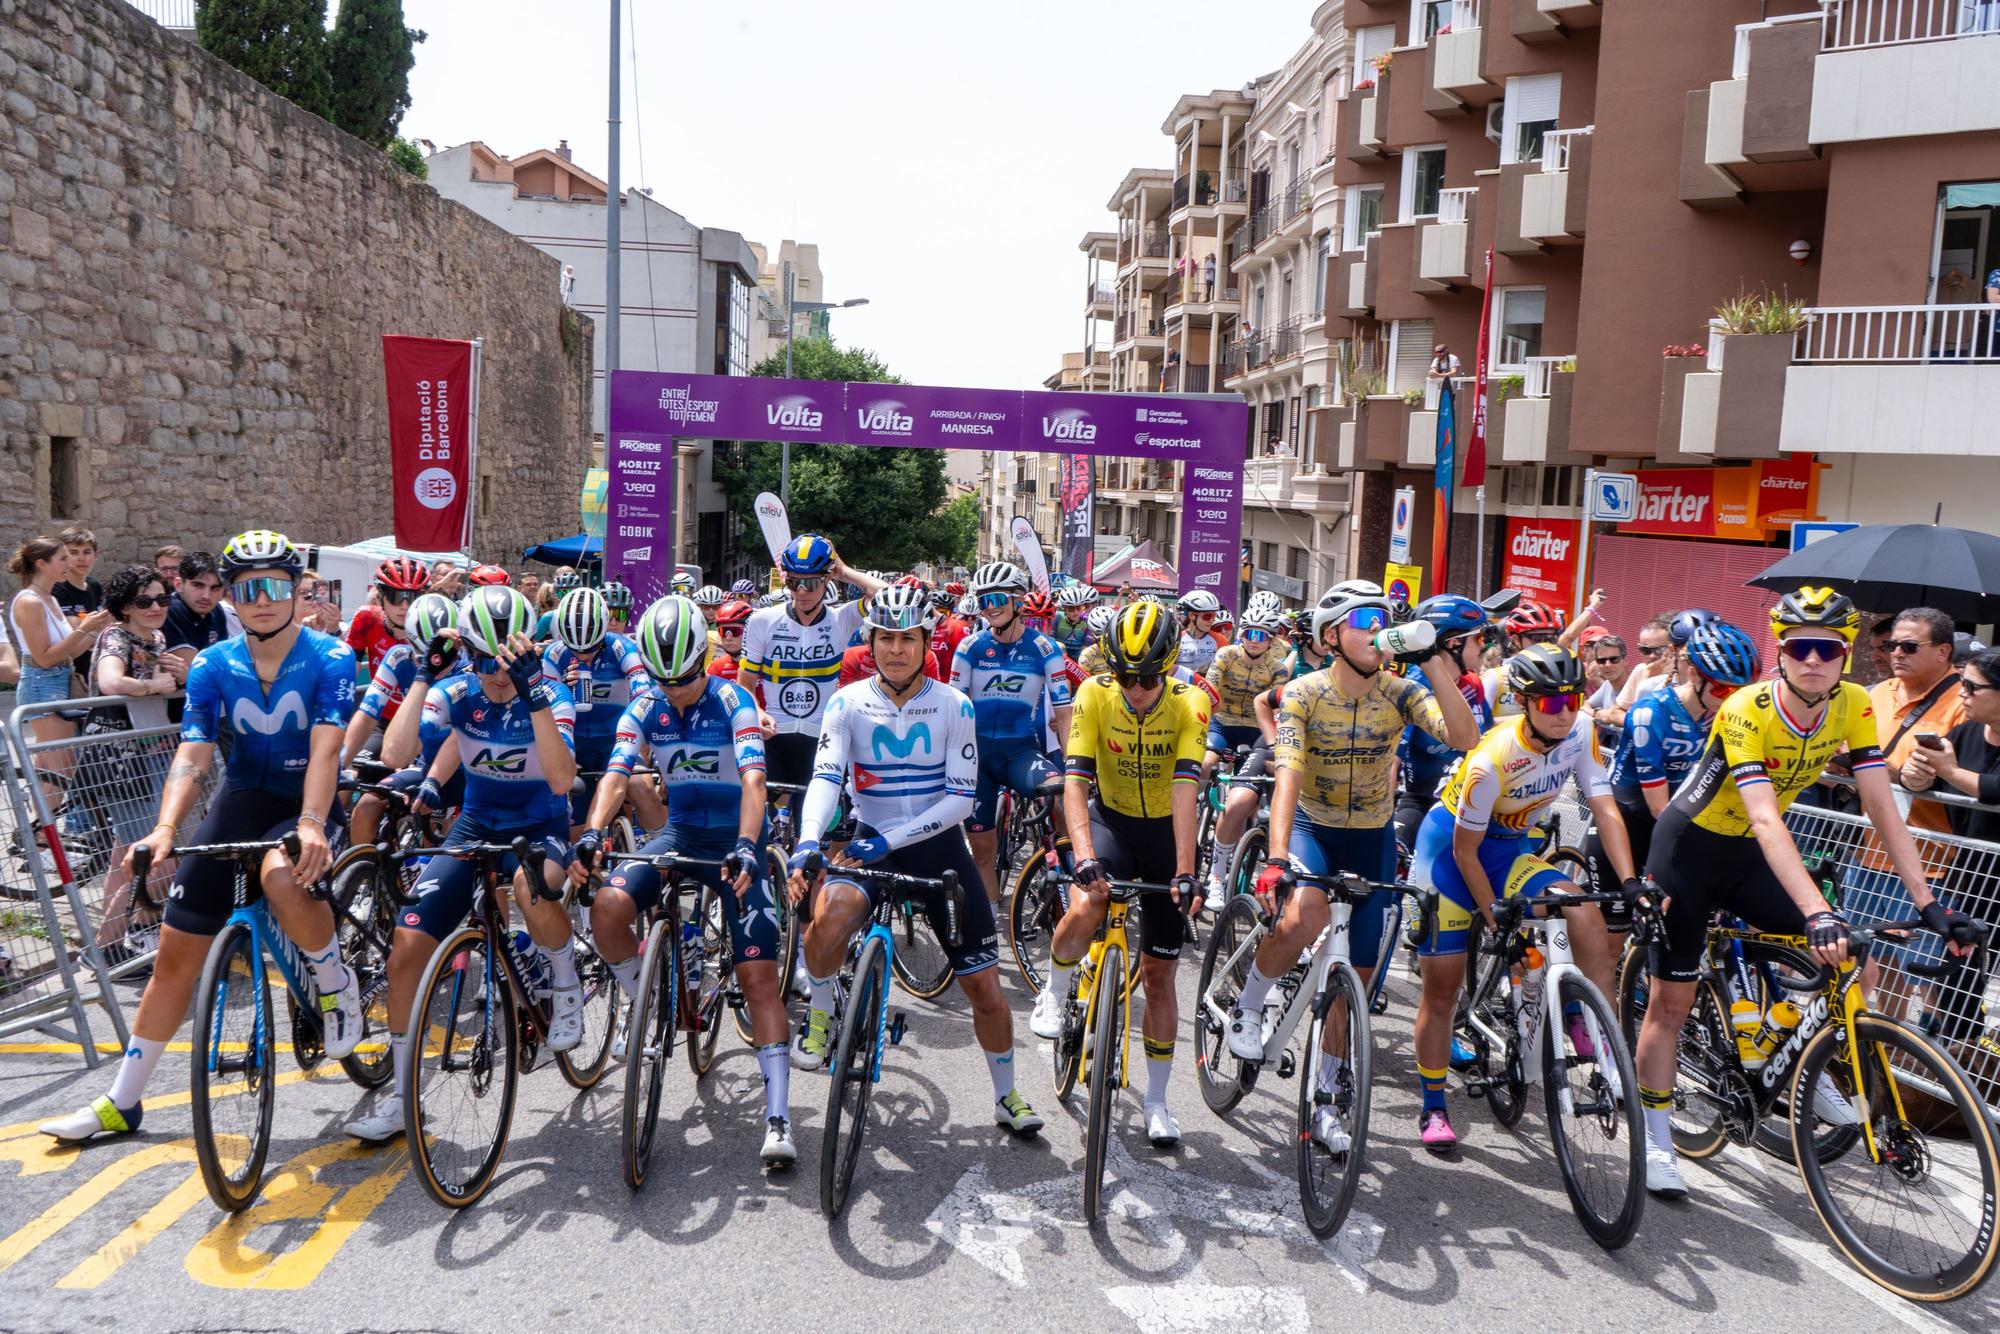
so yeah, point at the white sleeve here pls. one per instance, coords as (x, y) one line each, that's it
(961, 781)
(1481, 790)
(756, 644)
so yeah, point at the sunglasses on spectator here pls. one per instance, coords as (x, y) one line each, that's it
(1256, 636)
(397, 597)
(1971, 688)
(1609, 662)
(1556, 705)
(808, 584)
(1806, 650)
(270, 586)
(1145, 682)
(1907, 645)
(148, 601)
(1367, 618)
(1653, 650)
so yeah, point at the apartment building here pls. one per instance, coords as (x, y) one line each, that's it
(767, 326)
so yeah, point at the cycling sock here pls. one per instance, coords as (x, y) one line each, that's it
(1432, 1082)
(399, 1052)
(327, 970)
(627, 974)
(562, 965)
(1329, 1073)
(1225, 853)
(1658, 1105)
(1159, 1068)
(822, 993)
(1255, 988)
(141, 1055)
(777, 1068)
(1059, 971)
(1000, 1065)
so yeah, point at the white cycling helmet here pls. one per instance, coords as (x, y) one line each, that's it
(581, 617)
(898, 607)
(1099, 621)
(968, 606)
(673, 640)
(1265, 612)
(708, 595)
(998, 577)
(492, 614)
(1345, 597)
(430, 616)
(1199, 601)
(1077, 595)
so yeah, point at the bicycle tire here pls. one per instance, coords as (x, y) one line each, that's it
(788, 941)
(1246, 862)
(463, 984)
(1106, 1054)
(1909, 1151)
(1506, 1089)
(706, 979)
(1067, 1049)
(1613, 1110)
(233, 970)
(364, 932)
(920, 963)
(1325, 1211)
(585, 1063)
(649, 1048)
(1224, 1079)
(1034, 906)
(851, 1085)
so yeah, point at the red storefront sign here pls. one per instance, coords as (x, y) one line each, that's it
(1739, 504)
(1541, 561)
(431, 429)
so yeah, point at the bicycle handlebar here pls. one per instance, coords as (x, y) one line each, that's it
(521, 849)
(142, 858)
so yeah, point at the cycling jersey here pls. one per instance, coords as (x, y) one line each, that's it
(369, 635)
(722, 665)
(1092, 659)
(1659, 746)
(1505, 783)
(1015, 688)
(614, 676)
(272, 728)
(1197, 652)
(1073, 635)
(1135, 760)
(800, 663)
(504, 782)
(701, 753)
(1755, 740)
(945, 638)
(1344, 745)
(912, 770)
(1426, 757)
(393, 675)
(1239, 678)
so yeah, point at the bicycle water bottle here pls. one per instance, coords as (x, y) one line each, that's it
(691, 961)
(1748, 1021)
(534, 968)
(1778, 1025)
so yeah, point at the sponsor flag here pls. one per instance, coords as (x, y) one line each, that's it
(1078, 499)
(1446, 449)
(1030, 545)
(776, 524)
(1475, 447)
(433, 426)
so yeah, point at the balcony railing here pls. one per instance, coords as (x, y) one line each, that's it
(1207, 186)
(1911, 334)
(1230, 363)
(1155, 242)
(1298, 198)
(1099, 294)
(1241, 242)
(173, 15)
(1264, 223)
(1455, 206)
(1849, 24)
(1184, 380)
(1536, 373)
(1556, 146)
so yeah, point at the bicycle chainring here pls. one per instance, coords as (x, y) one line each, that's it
(308, 1040)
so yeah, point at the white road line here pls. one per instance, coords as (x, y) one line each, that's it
(1191, 1305)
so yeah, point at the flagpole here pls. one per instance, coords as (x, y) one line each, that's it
(472, 454)
(1479, 545)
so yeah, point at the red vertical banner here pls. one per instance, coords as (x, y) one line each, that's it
(431, 415)
(1475, 445)
(1541, 560)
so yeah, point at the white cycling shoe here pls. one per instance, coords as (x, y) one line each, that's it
(1046, 1020)
(622, 1033)
(1161, 1128)
(1246, 1035)
(565, 1018)
(340, 1018)
(381, 1125)
(1663, 1174)
(779, 1151)
(1328, 1130)
(1831, 1105)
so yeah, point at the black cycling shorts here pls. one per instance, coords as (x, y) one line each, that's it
(204, 892)
(978, 947)
(788, 758)
(1703, 872)
(1132, 848)
(1639, 831)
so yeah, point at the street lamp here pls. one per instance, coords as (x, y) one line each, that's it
(792, 308)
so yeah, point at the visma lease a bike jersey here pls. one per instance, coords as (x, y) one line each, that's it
(1015, 688)
(1505, 782)
(798, 664)
(1660, 743)
(504, 782)
(913, 771)
(612, 679)
(701, 753)
(1755, 740)
(272, 729)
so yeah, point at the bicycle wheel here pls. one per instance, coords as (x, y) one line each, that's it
(1329, 1174)
(365, 923)
(788, 940)
(1709, 1090)
(1225, 966)
(584, 1064)
(1034, 906)
(1067, 1049)
(649, 1046)
(1106, 1055)
(1590, 1092)
(235, 1067)
(852, 1084)
(707, 980)
(1249, 860)
(920, 963)
(463, 1076)
(1506, 1082)
(1910, 1207)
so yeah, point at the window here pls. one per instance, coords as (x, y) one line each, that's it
(1410, 343)
(1369, 43)
(1534, 103)
(1297, 417)
(1267, 558)
(1517, 325)
(1968, 244)
(1297, 564)
(1285, 286)
(1364, 215)
(1426, 17)
(1321, 255)
(65, 478)
(1423, 181)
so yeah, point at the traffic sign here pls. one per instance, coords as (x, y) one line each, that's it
(1399, 532)
(1805, 534)
(1614, 497)
(1403, 583)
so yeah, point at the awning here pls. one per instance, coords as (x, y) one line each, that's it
(567, 550)
(1142, 567)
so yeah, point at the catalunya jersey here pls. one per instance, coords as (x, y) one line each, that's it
(1506, 782)
(504, 782)
(1015, 688)
(271, 729)
(912, 771)
(798, 664)
(701, 754)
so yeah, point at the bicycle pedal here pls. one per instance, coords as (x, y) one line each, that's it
(1288, 1065)
(897, 1026)
(1475, 1088)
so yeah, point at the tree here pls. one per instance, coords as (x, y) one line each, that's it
(369, 56)
(409, 157)
(279, 43)
(884, 508)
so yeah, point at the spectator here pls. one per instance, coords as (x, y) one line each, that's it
(50, 646)
(1437, 379)
(448, 578)
(1654, 669)
(196, 617)
(167, 564)
(531, 587)
(1878, 648)
(317, 610)
(76, 591)
(1607, 665)
(1208, 276)
(10, 662)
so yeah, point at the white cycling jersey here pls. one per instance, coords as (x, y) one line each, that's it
(799, 664)
(912, 771)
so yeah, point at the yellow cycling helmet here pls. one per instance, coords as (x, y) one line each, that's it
(1820, 608)
(1144, 641)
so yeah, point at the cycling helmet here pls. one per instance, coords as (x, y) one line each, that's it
(403, 574)
(564, 581)
(1099, 621)
(1545, 669)
(492, 615)
(743, 588)
(1343, 598)
(968, 606)
(1451, 615)
(955, 588)
(1264, 612)
(1821, 608)
(941, 601)
(998, 577)
(673, 640)
(911, 581)
(1039, 606)
(1533, 618)
(430, 616)
(260, 549)
(708, 595)
(1224, 619)
(617, 597)
(1144, 641)
(1077, 595)
(1199, 601)
(580, 619)
(735, 612)
(1723, 654)
(682, 584)
(1682, 627)
(488, 576)
(897, 607)
(808, 553)
(770, 599)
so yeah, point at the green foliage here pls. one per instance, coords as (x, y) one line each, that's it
(1761, 313)
(369, 56)
(824, 359)
(409, 157)
(957, 526)
(279, 43)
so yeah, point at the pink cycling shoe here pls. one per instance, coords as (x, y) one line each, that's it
(1434, 1129)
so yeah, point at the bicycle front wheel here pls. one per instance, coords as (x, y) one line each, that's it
(1225, 966)
(649, 1046)
(1912, 1203)
(1034, 906)
(852, 1084)
(1591, 1093)
(922, 968)
(235, 1064)
(463, 1076)
(583, 1065)
(1333, 1101)
(1105, 1056)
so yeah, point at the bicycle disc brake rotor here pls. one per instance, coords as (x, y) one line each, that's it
(1905, 1151)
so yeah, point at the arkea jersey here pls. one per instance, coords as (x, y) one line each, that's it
(272, 729)
(701, 754)
(912, 770)
(1344, 746)
(1505, 783)
(613, 678)
(1756, 740)
(798, 664)
(504, 782)
(1426, 757)
(1659, 744)
(1015, 688)
(1239, 678)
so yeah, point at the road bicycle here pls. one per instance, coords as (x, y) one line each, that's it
(1037, 901)
(1326, 992)
(1892, 1142)
(234, 1066)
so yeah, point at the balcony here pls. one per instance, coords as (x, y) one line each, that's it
(1444, 247)
(1895, 68)
(1129, 326)
(1206, 189)
(1192, 289)
(1533, 425)
(1551, 20)
(1553, 199)
(1184, 380)
(1892, 380)
(1757, 134)
(1099, 294)
(1352, 298)
(1458, 58)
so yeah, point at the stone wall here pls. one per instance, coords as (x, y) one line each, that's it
(194, 278)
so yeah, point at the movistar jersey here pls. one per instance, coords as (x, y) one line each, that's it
(701, 753)
(272, 728)
(1660, 744)
(504, 782)
(912, 770)
(612, 679)
(1015, 688)
(799, 664)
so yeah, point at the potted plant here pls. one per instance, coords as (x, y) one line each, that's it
(1413, 398)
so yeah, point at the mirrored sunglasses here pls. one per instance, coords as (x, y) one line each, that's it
(1367, 618)
(1557, 705)
(1805, 650)
(270, 586)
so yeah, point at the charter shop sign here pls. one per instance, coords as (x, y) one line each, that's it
(1740, 504)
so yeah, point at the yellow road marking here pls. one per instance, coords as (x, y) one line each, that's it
(153, 1105)
(93, 1192)
(225, 1259)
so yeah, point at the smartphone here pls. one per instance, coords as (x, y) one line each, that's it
(1930, 741)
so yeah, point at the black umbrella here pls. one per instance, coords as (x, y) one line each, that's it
(1889, 567)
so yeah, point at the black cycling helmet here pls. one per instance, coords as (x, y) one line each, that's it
(1545, 669)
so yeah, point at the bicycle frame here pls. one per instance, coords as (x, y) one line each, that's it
(1111, 933)
(1332, 947)
(1537, 1010)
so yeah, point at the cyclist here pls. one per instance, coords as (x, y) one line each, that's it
(1460, 625)
(1135, 746)
(603, 672)
(1198, 609)
(1242, 671)
(1474, 848)
(906, 745)
(682, 584)
(1335, 794)
(1308, 657)
(703, 738)
(617, 606)
(1038, 613)
(1014, 676)
(710, 599)
(279, 777)
(857, 663)
(509, 724)
(378, 628)
(429, 617)
(1072, 628)
(1099, 623)
(729, 623)
(1721, 842)
(793, 652)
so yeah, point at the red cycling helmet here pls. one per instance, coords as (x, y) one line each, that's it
(911, 581)
(736, 612)
(403, 573)
(1533, 618)
(1038, 606)
(491, 576)
(955, 588)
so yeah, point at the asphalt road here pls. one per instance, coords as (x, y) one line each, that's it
(951, 1222)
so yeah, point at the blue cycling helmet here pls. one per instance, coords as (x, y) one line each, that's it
(1724, 654)
(1682, 627)
(808, 553)
(1451, 615)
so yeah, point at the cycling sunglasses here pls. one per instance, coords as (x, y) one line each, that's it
(397, 597)
(1805, 650)
(1145, 682)
(270, 586)
(1557, 705)
(994, 601)
(806, 584)
(1367, 618)
(486, 665)
(729, 630)
(1256, 636)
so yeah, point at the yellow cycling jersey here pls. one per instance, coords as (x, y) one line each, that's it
(1505, 783)
(1755, 739)
(1239, 678)
(1135, 760)
(1092, 659)
(1345, 747)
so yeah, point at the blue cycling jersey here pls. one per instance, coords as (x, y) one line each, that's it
(1015, 688)
(1425, 758)
(392, 679)
(504, 782)
(701, 753)
(273, 728)
(1661, 743)
(603, 686)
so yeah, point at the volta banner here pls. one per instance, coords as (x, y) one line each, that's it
(433, 429)
(1077, 495)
